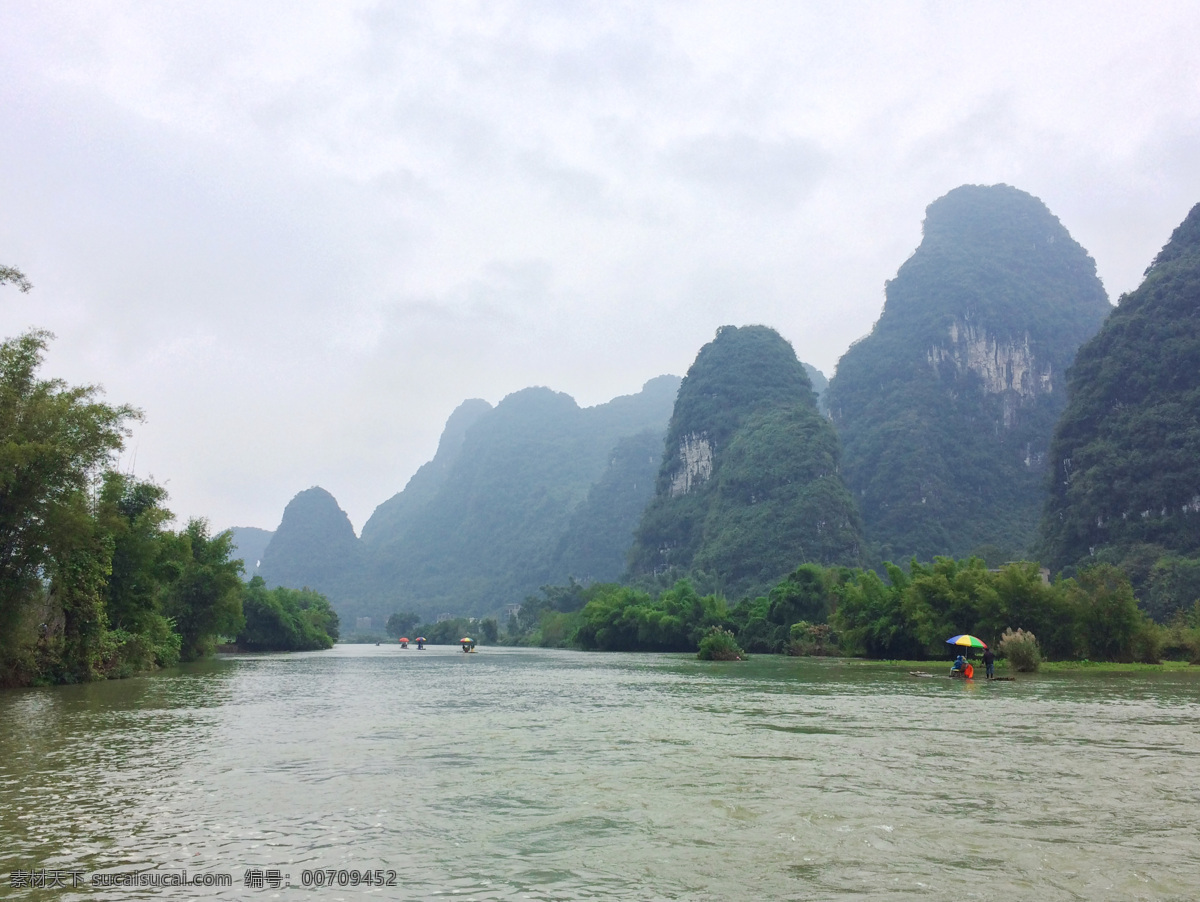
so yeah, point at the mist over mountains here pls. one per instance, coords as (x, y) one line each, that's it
(933, 437)
(530, 492)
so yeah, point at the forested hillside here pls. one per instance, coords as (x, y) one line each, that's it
(748, 486)
(533, 491)
(946, 408)
(314, 547)
(1126, 453)
(396, 515)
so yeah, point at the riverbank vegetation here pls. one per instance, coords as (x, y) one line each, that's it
(902, 614)
(283, 619)
(93, 582)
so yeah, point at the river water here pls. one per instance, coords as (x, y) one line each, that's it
(531, 774)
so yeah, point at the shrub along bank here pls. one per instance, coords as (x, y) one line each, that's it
(902, 614)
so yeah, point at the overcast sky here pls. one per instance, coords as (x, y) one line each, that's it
(298, 235)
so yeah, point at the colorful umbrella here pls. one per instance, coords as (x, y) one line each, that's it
(466, 639)
(404, 638)
(420, 638)
(966, 641)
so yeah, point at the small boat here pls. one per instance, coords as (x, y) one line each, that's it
(420, 643)
(468, 644)
(404, 641)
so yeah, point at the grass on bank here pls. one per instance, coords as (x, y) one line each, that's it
(1045, 666)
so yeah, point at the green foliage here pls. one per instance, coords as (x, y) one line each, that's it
(1021, 650)
(551, 618)
(402, 623)
(54, 557)
(719, 645)
(15, 276)
(812, 639)
(1108, 623)
(282, 619)
(54, 440)
(1126, 451)
(871, 619)
(941, 460)
(92, 583)
(1181, 636)
(909, 617)
(623, 619)
(1173, 586)
(749, 478)
(949, 597)
(205, 598)
(803, 596)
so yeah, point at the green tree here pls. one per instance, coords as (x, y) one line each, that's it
(871, 618)
(54, 441)
(205, 600)
(949, 597)
(1109, 624)
(283, 619)
(402, 623)
(15, 276)
(802, 596)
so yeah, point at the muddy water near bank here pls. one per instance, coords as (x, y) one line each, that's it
(516, 774)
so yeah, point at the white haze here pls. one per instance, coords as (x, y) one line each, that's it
(298, 235)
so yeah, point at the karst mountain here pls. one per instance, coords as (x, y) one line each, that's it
(946, 409)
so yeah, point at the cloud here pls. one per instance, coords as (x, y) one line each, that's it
(760, 174)
(298, 237)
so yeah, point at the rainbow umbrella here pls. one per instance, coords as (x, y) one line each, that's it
(966, 641)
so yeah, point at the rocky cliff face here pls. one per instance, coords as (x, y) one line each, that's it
(946, 409)
(1008, 369)
(749, 485)
(695, 464)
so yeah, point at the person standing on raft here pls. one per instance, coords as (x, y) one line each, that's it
(989, 662)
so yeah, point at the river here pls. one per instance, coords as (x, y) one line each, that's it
(533, 774)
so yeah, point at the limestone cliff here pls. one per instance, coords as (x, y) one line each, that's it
(748, 487)
(946, 409)
(695, 464)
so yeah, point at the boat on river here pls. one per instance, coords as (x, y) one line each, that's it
(924, 674)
